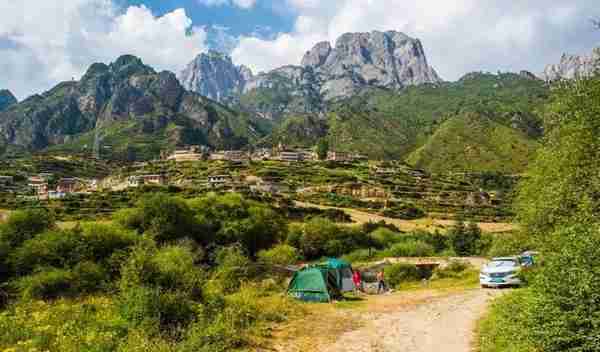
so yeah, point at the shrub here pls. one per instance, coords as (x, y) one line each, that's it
(453, 270)
(359, 255)
(46, 284)
(56, 248)
(89, 277)
(411, 248)
(384, 237)
(507, 244)
(233, 268)
(398, 273)
(282, 254)
(24, 225)
(465, 238)
(160, 289)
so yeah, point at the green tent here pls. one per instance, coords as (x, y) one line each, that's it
(342, 270)
(314, 284)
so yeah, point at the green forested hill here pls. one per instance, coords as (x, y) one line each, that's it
(414, 124)
(472, 142)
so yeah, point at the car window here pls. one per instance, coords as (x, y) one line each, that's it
(502, 263)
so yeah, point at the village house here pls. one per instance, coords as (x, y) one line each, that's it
(339, 156)
(39, 185)
(270, 186)
(291, 156)
(67, 185)
(218, 181)
(229, 155)
(192, 153)
(138, 180)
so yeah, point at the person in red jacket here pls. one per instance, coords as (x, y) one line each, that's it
(357, 279)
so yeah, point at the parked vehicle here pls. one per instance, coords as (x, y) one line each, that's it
(501, 272)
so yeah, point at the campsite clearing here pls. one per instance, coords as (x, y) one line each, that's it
(412, 321)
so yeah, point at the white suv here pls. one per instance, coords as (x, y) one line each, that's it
(501, 272)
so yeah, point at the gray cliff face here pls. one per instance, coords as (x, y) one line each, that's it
(215, 76)
(376, 59)
(390, 60)
(6, 99)
(573, 67)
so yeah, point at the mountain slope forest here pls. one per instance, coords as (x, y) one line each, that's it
(124, 110)
(419, 123)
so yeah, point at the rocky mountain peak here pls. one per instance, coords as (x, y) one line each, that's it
(6, 99)
(317, 55)
(389, 59)
(573, 67)
(214, 75)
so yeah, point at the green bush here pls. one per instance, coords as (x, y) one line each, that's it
(453, 270)
(410, 248)
(465, 239)
(384, 237)
(55, 248)
(160, 289)
(282, 254)
(46, 284)
(232, 269)
(398, 273)
(360, 255)
(25, 224)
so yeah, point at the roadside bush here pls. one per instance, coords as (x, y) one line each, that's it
(507, 244)
(410, 248)
(453, 270)
(398, 273)
(565, 314)
(282, 254)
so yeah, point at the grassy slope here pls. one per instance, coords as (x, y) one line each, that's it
(474, 143)
(385, 124)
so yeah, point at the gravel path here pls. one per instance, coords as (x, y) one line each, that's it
(438, 324)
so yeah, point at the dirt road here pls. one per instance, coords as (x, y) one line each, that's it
(427, 321)
(445, 323)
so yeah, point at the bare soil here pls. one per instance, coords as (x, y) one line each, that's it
(418, 321)
(361, 217)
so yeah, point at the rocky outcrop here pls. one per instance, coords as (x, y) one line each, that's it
(149, 104)
(6, 99)
(376, 59)
(214, 75)
(573, 67)
(359, 60)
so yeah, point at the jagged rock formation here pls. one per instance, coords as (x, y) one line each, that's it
(214, 75)
(359, 60)
(380, 59)
(134, 109)
(573, 67)
(6, 99)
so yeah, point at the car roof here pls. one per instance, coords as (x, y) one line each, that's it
(505, 258)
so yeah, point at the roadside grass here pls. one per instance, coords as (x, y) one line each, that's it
(499, 330)
(466, 280)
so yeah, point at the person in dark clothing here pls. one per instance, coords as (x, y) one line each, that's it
(381, 281)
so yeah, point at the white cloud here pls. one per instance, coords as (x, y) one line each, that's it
(44, 42)
(244, 4)
(459, 35)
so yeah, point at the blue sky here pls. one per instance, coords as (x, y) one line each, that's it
(45, 42)
(265, 17)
